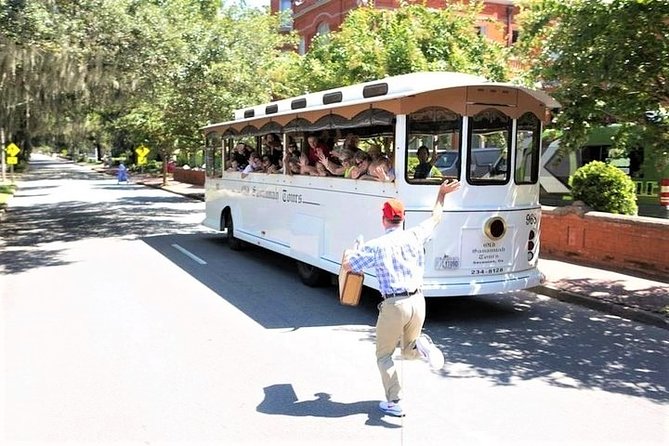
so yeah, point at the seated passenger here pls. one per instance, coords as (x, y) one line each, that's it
(255, 165)
(291, 162)
(351, 143)
(241, 154)
(382, 171)
(233, 166)
(268, 166)
(361, 162)
(346, 159)
(307, 169)
(275, 150)
(424, 166)
(374, 152)
(315, 146)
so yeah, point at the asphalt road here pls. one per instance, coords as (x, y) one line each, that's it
(124, 321)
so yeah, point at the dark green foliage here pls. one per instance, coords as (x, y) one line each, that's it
(605, 61)
(604, 188)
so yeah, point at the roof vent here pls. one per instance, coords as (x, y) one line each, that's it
(375, 90)
(331, 98)
(298, 103)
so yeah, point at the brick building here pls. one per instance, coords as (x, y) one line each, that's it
(312, 17)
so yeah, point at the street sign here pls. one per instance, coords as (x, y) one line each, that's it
(12, 150)
(142, 151)
(12, 160)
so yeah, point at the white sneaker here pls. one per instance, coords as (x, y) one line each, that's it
(390, 408)
(429, 352)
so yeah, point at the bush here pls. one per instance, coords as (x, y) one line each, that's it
(604, 188)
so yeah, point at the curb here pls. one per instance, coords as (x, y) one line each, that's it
(193, 196)
(635, 314)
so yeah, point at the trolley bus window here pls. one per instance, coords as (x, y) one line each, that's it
(488, 148)
(528, 135)
(213, 156)
(435, 128)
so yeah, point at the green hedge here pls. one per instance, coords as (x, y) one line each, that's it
(604, 188)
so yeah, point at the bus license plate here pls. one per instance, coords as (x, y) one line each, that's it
(447, 262)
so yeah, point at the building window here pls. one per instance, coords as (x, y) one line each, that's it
(323, 28)
(286, 15)
(302, 48)
(481, 30)
(514, 36)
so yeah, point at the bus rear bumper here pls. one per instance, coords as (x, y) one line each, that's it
(484, 285)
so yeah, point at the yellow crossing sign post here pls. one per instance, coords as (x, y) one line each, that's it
(142, 152)
(12, 150)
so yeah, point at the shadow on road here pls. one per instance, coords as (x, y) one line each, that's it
(264, 285)
(27, 233)
(503, 338)
(531, 337)
(33, 235)
(280, 399)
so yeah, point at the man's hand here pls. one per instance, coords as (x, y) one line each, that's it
(449, 186)
(446, 187)
(345, 263)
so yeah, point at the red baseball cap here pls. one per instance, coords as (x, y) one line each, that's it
(393, 210)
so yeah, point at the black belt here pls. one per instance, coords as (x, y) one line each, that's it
(401, 294)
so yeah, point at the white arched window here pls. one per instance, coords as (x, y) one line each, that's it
(323, 28)
(302, 48)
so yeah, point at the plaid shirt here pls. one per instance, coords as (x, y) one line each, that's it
(398, 258)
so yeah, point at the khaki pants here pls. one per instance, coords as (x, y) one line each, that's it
(400, 319)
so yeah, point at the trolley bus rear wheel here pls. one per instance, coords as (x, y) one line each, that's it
(234, 243)
(310, 275)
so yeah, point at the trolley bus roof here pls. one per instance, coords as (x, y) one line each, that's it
(381, 93)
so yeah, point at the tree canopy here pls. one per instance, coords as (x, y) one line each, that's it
(131, 71)
(374, 43)
(127, 72)
(606, 61)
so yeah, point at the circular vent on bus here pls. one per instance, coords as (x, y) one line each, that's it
(495, 228)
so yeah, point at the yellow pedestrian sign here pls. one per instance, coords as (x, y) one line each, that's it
(142, 152)
(12, 151)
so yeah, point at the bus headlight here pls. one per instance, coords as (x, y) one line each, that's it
(495, 228)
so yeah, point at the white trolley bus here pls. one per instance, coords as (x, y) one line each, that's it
(485, 134)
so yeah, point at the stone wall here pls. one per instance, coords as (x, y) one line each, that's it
(189, 176)
(614, 242)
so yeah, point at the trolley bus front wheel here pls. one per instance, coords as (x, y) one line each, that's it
(234, 243)
(310, 275)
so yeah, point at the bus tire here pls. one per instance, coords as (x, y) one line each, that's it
(234, 243)
(310, 275)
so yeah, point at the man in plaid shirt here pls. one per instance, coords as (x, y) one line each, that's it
(398, 258)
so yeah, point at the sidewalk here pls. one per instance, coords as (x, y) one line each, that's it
(187, 190)
(630, 297)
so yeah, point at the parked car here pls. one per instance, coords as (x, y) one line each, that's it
(482, 160)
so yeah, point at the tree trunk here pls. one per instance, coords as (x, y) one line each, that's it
(164, 155)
